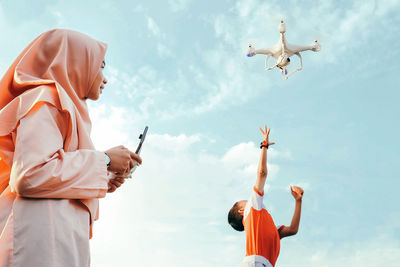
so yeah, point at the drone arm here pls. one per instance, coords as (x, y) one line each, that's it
(296, 70)
(265, 51)
(283, 42)
(299, 48)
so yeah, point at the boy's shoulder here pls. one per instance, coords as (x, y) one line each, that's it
(255, 201)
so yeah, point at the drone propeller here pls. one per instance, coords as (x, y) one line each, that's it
(276, 19)
(321, 37)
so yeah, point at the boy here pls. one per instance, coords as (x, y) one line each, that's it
(262, 236)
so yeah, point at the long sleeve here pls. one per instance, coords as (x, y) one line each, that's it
(42, 169)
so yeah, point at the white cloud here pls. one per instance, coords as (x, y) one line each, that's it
(245, 157)
(164, 51)
(139, 9)
(178, 5)
(193, 91)
(109, 126)
(223, 28)
(153, 27)
(373, 252)
(227, 80)
(170, 143)
(59, 17)
(245, 153)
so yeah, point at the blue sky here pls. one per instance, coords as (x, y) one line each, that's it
(179, 66)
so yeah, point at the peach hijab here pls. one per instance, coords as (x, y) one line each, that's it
(57, 68)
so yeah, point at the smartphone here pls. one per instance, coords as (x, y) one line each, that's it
(139, 147)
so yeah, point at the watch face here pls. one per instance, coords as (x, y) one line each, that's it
(108, 160)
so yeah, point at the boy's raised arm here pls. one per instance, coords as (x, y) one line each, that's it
(262, 165)
(297, 193)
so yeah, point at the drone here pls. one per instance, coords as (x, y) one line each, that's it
(282, 51)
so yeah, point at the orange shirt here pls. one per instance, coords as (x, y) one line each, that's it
(262, 237)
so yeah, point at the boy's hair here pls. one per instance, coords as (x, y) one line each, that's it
(235, 219)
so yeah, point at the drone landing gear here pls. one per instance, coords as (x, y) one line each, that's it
(266, 64)
(296, 70)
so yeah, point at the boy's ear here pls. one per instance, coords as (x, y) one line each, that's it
(241, 211)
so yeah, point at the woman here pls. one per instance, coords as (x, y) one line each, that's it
(50, 174)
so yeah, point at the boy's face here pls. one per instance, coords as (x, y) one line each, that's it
(241, 205)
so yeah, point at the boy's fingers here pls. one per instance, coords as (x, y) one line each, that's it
(298, 188)
(272, 143)
(262, 131)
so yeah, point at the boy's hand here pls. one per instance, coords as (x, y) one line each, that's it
(266, 135)
(297, 192)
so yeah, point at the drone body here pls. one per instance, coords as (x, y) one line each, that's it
(282, 51)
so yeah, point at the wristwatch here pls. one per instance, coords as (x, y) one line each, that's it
(108, 159)
(264, 144)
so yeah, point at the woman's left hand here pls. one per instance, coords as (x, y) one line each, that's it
(114, 183)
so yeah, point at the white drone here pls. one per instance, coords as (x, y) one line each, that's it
(282, 51)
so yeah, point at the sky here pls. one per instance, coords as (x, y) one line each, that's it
(180, 67)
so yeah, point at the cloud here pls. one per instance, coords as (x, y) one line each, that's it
(373, 252)
(175, 144)
(245, 158)
(109, 126)
(153, 27)
(164, 51)
(178, 5)
(141, 93)
(192, 91)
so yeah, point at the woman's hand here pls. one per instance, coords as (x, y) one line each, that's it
(122, 159)
(114, 183)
